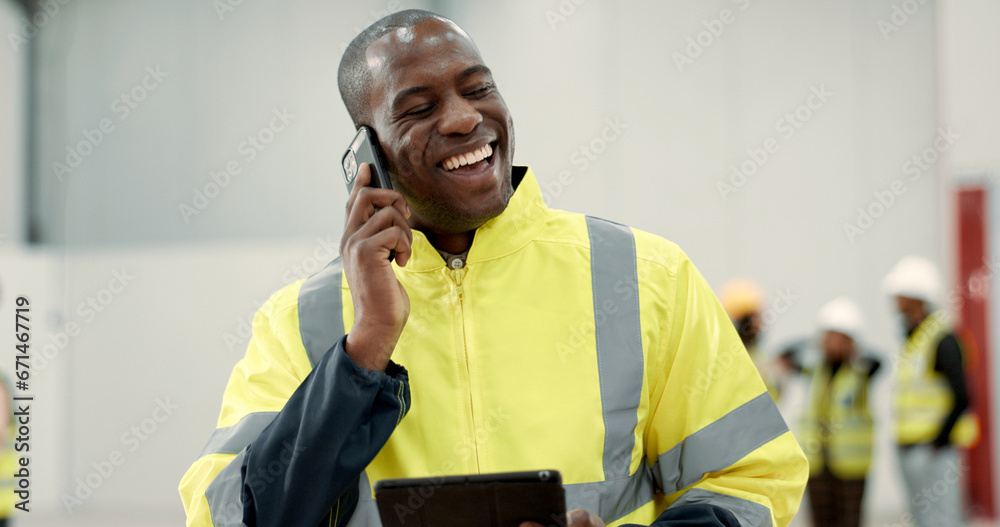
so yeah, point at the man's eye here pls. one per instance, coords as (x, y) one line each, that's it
(479, 91)
(419, 110)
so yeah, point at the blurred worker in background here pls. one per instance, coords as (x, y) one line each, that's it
(837, 430)
(930, 398)
(743, 301)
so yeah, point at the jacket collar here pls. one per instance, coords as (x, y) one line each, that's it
(525, 215)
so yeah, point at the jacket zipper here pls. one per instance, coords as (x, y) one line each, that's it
(457, 274)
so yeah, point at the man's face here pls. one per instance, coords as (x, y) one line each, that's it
(749, 328)
(837, 347)
(912, 309)
(445, 130)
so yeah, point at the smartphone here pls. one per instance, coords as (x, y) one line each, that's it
(497, 500)
(365, 149)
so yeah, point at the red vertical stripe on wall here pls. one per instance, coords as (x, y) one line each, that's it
(974, 283)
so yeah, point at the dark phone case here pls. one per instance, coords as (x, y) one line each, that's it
(494, 500)
(365, 149)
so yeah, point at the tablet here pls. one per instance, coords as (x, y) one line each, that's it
(496, 500)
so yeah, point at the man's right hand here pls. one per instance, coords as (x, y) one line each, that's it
(375, 226)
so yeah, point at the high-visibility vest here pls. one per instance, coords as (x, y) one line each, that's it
(923, 397)
(837, 430)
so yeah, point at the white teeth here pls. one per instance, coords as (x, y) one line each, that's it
(469, 158)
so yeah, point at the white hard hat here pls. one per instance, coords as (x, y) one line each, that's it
(841, 315)
(914, 277)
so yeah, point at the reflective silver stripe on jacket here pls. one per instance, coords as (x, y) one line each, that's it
(225, 494)
(233, 439)
(612, 500)
(321, 325)
(720, 444)
(321, 311)
(615, 283)
(366, 514)
(749, 513)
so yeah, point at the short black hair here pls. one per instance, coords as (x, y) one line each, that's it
(353, 76)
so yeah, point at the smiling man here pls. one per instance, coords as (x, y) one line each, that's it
(531, 338)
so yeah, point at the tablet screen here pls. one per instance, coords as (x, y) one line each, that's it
(497, 500)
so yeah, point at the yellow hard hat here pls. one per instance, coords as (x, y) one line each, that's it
(741, 297)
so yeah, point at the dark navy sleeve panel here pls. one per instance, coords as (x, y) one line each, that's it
(695, 515)
(309, 459)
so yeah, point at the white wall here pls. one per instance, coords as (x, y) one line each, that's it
(182, 85)
(13, 62)
(563, 80)
(970, 81)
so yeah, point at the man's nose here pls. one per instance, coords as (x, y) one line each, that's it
(459, 117)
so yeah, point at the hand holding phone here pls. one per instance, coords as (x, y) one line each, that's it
(365, 149)
(375, 232)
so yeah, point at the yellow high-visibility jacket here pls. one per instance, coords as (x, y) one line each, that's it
(923, 397)
(564, 342)
(837, 428)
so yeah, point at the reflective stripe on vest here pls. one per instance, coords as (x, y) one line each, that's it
(720, 444)
(923, 397)
(619, 340)
(838, 422)
(225, 494)
(321, 311)
(366, 513)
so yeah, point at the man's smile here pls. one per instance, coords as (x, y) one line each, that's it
(474, 161)
(470, 159)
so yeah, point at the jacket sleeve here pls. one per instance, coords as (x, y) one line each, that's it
(291, 444)
(715, 437)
